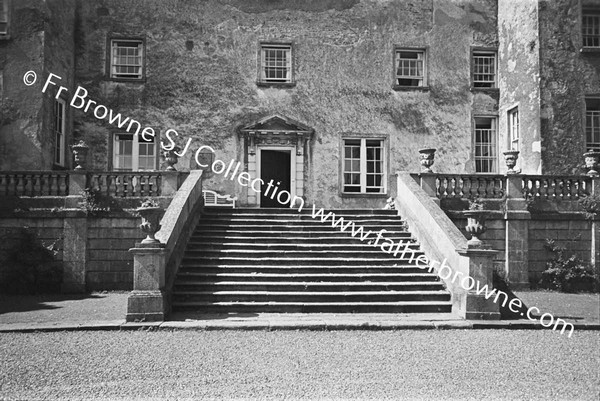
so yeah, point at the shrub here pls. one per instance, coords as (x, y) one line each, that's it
(568, 273)
(92, 202)
(31, 266)
(591, 205)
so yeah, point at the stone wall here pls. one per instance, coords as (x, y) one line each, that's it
(571, 230)
(41, 40)
(519, 80)
(201, 72)
(94, 250)
(567, 76)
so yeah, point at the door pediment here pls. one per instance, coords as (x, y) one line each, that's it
(276, 130)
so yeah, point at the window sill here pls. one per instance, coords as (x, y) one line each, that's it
(5, 36)
(489, 91)
(593, 50)
(275, 84)
(363, 195)
(130, 80)
(410, 88)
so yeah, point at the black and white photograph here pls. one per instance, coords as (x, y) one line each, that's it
(299, 200)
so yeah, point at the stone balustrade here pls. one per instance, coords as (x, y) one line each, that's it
(34, 183)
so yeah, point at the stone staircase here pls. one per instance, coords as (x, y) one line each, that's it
(279, 260)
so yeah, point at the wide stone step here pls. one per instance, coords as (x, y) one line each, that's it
(188, 286)
(303, 219)
(295, 241)
(316, 307)
(265, 212)
(278, 234)
(383, 260)
(353, 248)
(310, 296)
(290, 227)
(373, 253)
(306, 277)
(359, 268)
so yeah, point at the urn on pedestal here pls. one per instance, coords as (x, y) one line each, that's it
(171, 158)
(80, 151)
(427, 157)
(150, 212)
(592, 158)
(510, 157)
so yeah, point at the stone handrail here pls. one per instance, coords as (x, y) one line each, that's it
(441, 240)
(155, 266)
(470, 186)
(553, 187)
(34, 183)
(180, 217)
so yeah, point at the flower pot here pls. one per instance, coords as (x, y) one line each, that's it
(80, 151)
(475, 226)
(171, 158)
(510, 157)
(427, 158)
(150, 223)
(592, 158)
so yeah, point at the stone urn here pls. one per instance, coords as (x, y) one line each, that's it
(427, 157)
(80, 151)
(150, 213)
(475, 226)
(171, 158)
(592, 159)
(510, 157)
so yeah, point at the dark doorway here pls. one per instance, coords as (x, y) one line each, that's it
(275, 165)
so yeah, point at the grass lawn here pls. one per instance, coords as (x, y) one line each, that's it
(574, 307)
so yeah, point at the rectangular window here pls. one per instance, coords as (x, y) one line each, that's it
(364, 166)
(275, 63)
(410, 68)
(486, 145)
(59, 132)
(590, 28)
(126, 59)
(592, 124)
(4, 17)
(133, 153)
(513, 128)
(484, 69)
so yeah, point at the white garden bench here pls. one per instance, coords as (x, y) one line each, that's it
(211, 198)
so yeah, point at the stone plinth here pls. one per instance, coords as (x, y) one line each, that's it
(147, 300)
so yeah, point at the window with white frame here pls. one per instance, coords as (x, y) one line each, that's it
(127, 58)
(275, 63)
(4, 17)
(364, 169)
(486, 145)
(133, 153)
(592, 124)
(590, 28)
(484, 69)
(410, 68)
(59, 132)
(514, 129)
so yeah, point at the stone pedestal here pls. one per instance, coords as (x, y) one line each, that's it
(474, 306)
(428, 184)
(517, 219)
(147, 300)
(169, 183)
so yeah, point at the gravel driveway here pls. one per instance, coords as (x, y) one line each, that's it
(454, 364)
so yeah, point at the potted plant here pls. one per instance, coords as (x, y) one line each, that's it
(150, 213)
(475, 222)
